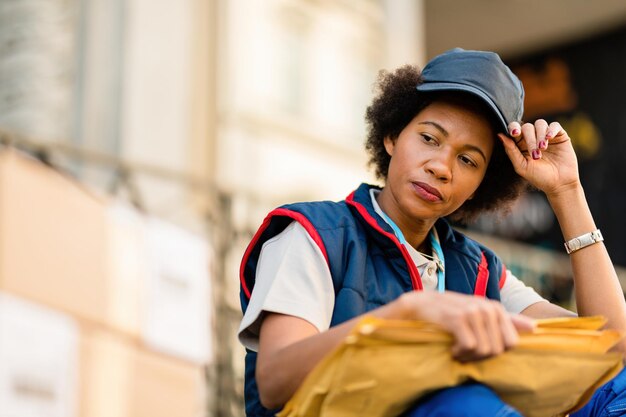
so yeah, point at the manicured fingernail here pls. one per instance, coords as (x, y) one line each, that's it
(542, 144)
(536, 153)
(548, 135)
(514, 132)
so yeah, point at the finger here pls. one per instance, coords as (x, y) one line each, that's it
(530, 137)
(515, 130)
(541, 127)
(514, 153)
(464, 341)
(479, 324)
(493, 315)
(509, 331)
(522, 323)
(555, 132)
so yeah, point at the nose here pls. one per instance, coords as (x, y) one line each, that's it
(440, 166)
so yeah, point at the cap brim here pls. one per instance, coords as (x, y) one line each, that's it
(440, 86)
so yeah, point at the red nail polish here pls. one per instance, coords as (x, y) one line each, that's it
(515, 132)
(536, 153)
(542, 144)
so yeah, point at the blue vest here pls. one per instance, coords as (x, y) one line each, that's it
(368, 264)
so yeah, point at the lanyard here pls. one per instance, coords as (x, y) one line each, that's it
(436, 247)
(441, 275)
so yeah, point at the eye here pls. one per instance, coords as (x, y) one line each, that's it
(468, 161)
(429, 139)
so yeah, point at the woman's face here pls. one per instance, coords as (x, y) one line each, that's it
(437, 162)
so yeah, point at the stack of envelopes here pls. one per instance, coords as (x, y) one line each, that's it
(385, 366)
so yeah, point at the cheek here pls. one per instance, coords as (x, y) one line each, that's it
(472, 183)
(476, 183)
(396, 164)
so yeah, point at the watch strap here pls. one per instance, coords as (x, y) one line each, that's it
(583, 241)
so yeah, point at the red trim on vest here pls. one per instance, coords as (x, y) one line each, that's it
(482, 277)
(502, 277)
(416, 280)
(300, 218)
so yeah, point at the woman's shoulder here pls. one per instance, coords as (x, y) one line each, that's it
(322, 212)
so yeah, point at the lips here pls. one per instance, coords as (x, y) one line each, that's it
(427, 192)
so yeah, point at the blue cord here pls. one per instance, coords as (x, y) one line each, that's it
(436, 247)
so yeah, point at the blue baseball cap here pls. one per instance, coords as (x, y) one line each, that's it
(482, 74)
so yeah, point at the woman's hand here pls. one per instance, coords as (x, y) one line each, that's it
(543, 155)
(481, 327)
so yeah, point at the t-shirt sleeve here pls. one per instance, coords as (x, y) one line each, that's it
(292, 278)
(516, 296)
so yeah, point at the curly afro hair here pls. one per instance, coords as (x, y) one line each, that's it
(397, 102)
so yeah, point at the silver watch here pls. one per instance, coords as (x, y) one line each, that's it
(583, 241)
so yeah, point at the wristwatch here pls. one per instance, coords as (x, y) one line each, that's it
(583, 241)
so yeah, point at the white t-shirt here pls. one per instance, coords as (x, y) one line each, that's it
(292, 277)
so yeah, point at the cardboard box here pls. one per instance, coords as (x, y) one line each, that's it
(63, 247)
(127, 268)
(52, 238)
(121, 379)
(55, 366)
(176, 316)
(159, 284)
(38, 360)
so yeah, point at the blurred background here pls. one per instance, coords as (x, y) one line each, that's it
(143, 141)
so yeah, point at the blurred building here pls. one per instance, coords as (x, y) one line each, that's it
(176, 125)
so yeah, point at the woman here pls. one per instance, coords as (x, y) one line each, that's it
(446, 142)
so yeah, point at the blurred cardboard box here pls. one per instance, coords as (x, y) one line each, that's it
(176, 309)
(63, 247)
(52, 238)
(121, 379)
(126, 267)
(38, 360)
(160, 284)
(55, 366)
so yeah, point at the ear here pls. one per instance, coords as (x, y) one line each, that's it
(390, 144)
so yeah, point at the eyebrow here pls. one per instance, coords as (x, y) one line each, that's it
(445, 133)
(437, 126)
(477, 150)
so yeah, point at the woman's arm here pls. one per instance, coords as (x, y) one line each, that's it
(597, 288)
(546, 310)
(554, 169)
(289, 347)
